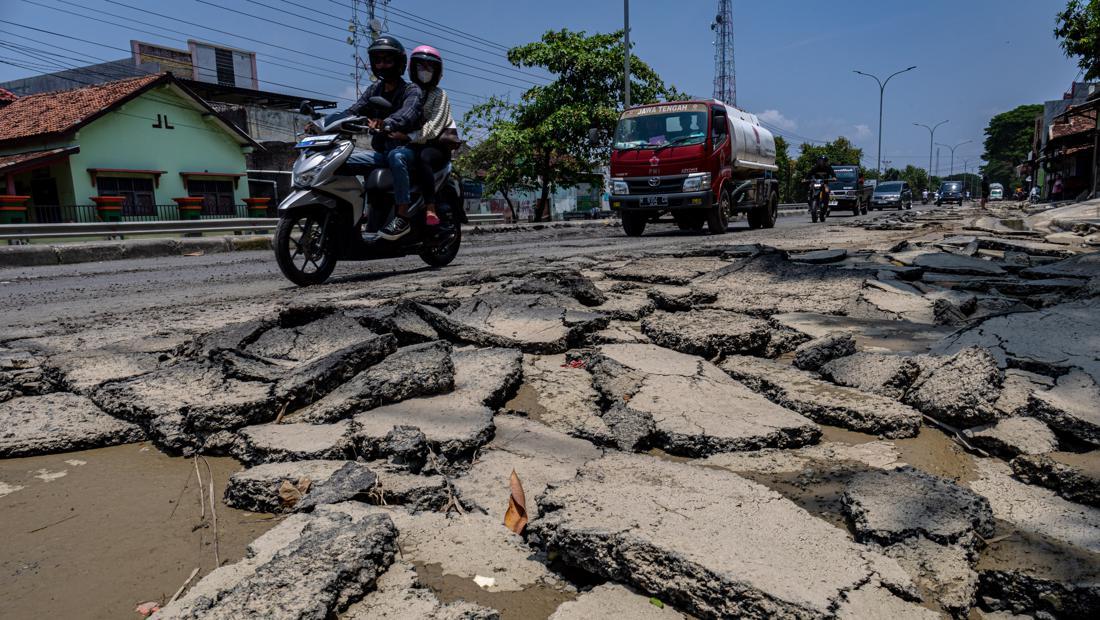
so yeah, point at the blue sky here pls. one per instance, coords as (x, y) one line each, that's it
(974, 58)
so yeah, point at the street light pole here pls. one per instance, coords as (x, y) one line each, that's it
(931, 139)
(881, 93)
(953, 154)
(626, 54)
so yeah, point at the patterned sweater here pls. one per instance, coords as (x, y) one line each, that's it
(437, 117)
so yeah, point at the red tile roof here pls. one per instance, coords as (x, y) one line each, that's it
(1076, 123)
(21, 159)
(6, 96)
(64, 111)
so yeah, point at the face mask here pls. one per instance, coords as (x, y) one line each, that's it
(425, 75)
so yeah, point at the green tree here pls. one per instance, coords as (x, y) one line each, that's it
(1078, 28)
(917, 178)
(1007, 142)
(550, 124)
(839, 151)
(499, 162)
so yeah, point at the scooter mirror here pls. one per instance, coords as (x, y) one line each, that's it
(380, 102)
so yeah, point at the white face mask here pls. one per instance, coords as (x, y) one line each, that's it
(425, 75)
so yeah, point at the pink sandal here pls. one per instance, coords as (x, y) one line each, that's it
(432, 219)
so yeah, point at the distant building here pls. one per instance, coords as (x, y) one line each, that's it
(1065, 143)
(224, 76)
(150, 139)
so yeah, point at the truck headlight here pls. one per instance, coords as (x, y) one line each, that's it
(619, 187)
(697, 182)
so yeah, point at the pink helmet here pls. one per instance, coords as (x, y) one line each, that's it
(426, 54)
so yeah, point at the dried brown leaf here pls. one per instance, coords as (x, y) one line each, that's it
(515, 518)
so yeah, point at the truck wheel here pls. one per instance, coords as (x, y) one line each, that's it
(764, 217)
(633, 224)
(718, 218)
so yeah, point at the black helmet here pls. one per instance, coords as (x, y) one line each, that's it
(386, 44)
(426, 54)
(822, 159)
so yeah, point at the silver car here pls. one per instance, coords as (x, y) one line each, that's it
(892, 194)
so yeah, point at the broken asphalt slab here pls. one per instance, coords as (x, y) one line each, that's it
(1074, 476)
(1071, 407)
(707, 541)
(887, 507)
(456, 423)
(59, 422)
(769, 284)
(685, 405)
(824, 402)
(400, 595)
(311, 566)
(1012, 437)
(532, 323)
(707, 333)
(959, 390)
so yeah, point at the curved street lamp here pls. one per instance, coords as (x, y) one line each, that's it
(953, 153)
(881, 90)
(931, 139)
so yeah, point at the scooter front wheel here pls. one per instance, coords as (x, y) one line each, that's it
(304, 248)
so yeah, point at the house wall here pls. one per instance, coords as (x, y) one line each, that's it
(126, 138)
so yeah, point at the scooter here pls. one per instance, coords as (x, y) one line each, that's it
(819, 199)
(329, 216)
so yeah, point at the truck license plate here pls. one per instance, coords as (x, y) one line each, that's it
(654, 201)
(832, 203)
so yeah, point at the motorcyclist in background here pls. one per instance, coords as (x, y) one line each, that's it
(820, 170)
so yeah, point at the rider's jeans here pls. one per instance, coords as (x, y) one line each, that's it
(398, 160)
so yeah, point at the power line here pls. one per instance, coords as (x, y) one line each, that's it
(323, 36)
(444, 26)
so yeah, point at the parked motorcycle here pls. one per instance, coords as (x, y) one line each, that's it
(330, 216)
(819, 199)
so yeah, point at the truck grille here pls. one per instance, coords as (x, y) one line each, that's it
(666, 185)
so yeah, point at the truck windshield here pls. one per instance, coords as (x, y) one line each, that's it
(645, 128)
(953, 186)
(846, 175)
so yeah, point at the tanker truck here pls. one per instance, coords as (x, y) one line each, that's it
(700, 161)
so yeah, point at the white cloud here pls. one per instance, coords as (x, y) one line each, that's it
(776, 118)
(863, 131)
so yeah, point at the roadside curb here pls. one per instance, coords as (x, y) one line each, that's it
(99, 251)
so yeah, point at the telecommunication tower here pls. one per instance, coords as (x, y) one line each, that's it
(374, 25)
(725, 75)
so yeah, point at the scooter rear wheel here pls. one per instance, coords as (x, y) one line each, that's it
(303, 249)
(444, 254)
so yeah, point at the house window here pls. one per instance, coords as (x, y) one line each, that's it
(138, 193)
(217, 196)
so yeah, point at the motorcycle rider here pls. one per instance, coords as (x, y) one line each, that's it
(434, 141)
(820, 170)
(390, 141)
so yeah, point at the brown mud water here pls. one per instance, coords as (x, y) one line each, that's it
(91, 534)
(535, 602)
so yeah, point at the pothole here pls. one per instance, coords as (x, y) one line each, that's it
(535, 602)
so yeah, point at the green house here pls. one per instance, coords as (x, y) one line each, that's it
(150, 140)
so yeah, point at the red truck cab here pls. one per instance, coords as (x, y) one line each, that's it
(700, 161)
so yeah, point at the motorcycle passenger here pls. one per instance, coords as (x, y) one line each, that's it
(434, 141)
(388, 62)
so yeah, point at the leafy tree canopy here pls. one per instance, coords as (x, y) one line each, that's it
(839, 151)
(549, 127)
(1008, 141)
(1078, 28)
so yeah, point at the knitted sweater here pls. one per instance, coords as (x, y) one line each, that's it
(437, 117)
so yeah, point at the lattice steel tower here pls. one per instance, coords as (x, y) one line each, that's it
(725, 75)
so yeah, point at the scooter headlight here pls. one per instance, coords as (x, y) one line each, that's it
(697, 182)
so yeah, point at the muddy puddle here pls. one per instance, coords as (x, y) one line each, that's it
(526, 403)
(91, 534)
(536, 602)
(1038, 555)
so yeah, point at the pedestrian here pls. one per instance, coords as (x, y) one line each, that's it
(1056, 193)
(985, 189)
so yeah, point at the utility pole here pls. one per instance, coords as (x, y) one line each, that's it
(355, 40)
(931, 139)
(626, 54)
(881, 92)
(937, 160)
